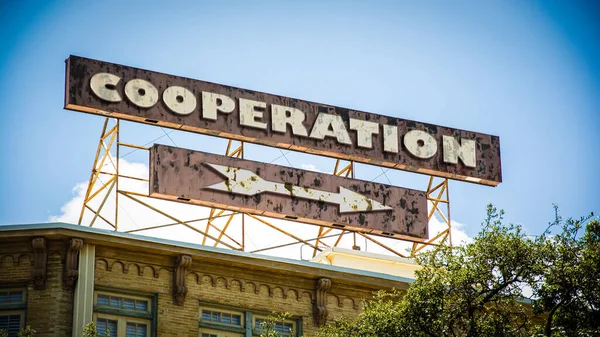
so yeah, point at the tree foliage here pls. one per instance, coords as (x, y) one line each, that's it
(25, 332)
(89, 330)
(569, 288)
(268, 326)
(504, 283)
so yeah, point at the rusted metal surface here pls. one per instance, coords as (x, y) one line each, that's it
(202, 178)
(181, 103)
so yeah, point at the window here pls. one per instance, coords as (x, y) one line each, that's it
(206, 332)
(106, 326)
(221, 321)
(222, 317)
(217, 322)
(283, 328)
(120, 302)
(136, 329)
(12, 310)
(122, 315)
(11, 321)
(12, 296)
(119, 326)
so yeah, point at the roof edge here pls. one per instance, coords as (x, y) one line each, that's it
(252, 258)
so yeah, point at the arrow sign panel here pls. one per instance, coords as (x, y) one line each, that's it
(282, 192)
(246, 182)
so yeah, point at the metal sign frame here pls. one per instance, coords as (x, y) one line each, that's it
(105, 184)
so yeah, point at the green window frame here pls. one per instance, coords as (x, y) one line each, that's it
(222, 316)
(207, 332)
(13, 305)
(212, 323)
(285, 328)
(125, 313)
(122, 326)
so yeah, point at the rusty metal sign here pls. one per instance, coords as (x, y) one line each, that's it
(282, 192)
(181, 103)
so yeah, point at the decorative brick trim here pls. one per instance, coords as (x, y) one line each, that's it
(179, 288)
(237, 283)
(71, 273)
(40, 259)
(320, 305)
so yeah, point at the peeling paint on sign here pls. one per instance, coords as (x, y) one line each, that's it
(246, 182)
(281, 192)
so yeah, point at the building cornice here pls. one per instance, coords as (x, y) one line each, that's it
(135, 242)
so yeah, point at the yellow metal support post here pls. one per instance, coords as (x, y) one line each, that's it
(238, 152)
(102, 153)
(438, 194)
(347, 171)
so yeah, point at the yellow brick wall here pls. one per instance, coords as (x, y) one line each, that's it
(245, 289)
(49, 311)
(15, 268)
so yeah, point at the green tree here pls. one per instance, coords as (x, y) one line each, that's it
(89, 330)
(27, 332)
(569, 289)
(481, 288)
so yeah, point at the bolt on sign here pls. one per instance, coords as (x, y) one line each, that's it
(281, 192)
(181, 103)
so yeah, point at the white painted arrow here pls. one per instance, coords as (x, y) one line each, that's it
(245, 182)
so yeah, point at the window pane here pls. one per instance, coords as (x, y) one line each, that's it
(205, 315)
(101, 326)
(112, 325)
(216, 316)
(226, 318)
(278, 326)
(236, 319)
(10, 323)
(130, 330)
(287, 327)
(141, 305)
(257, 323)
(16, 296)
(128, 303)
(102, 300)
(141, 330)
(135, 330)
(115, 302)
(11, 297)
(106, 324)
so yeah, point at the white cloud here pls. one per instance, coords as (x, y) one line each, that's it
(134, 216)
(310, 167)
(70, 210)
(459, 236)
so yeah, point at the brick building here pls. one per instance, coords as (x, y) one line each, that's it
(57, 277)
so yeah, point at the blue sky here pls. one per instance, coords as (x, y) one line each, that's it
(526, 71)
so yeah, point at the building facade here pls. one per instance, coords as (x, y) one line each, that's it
(58, 277)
